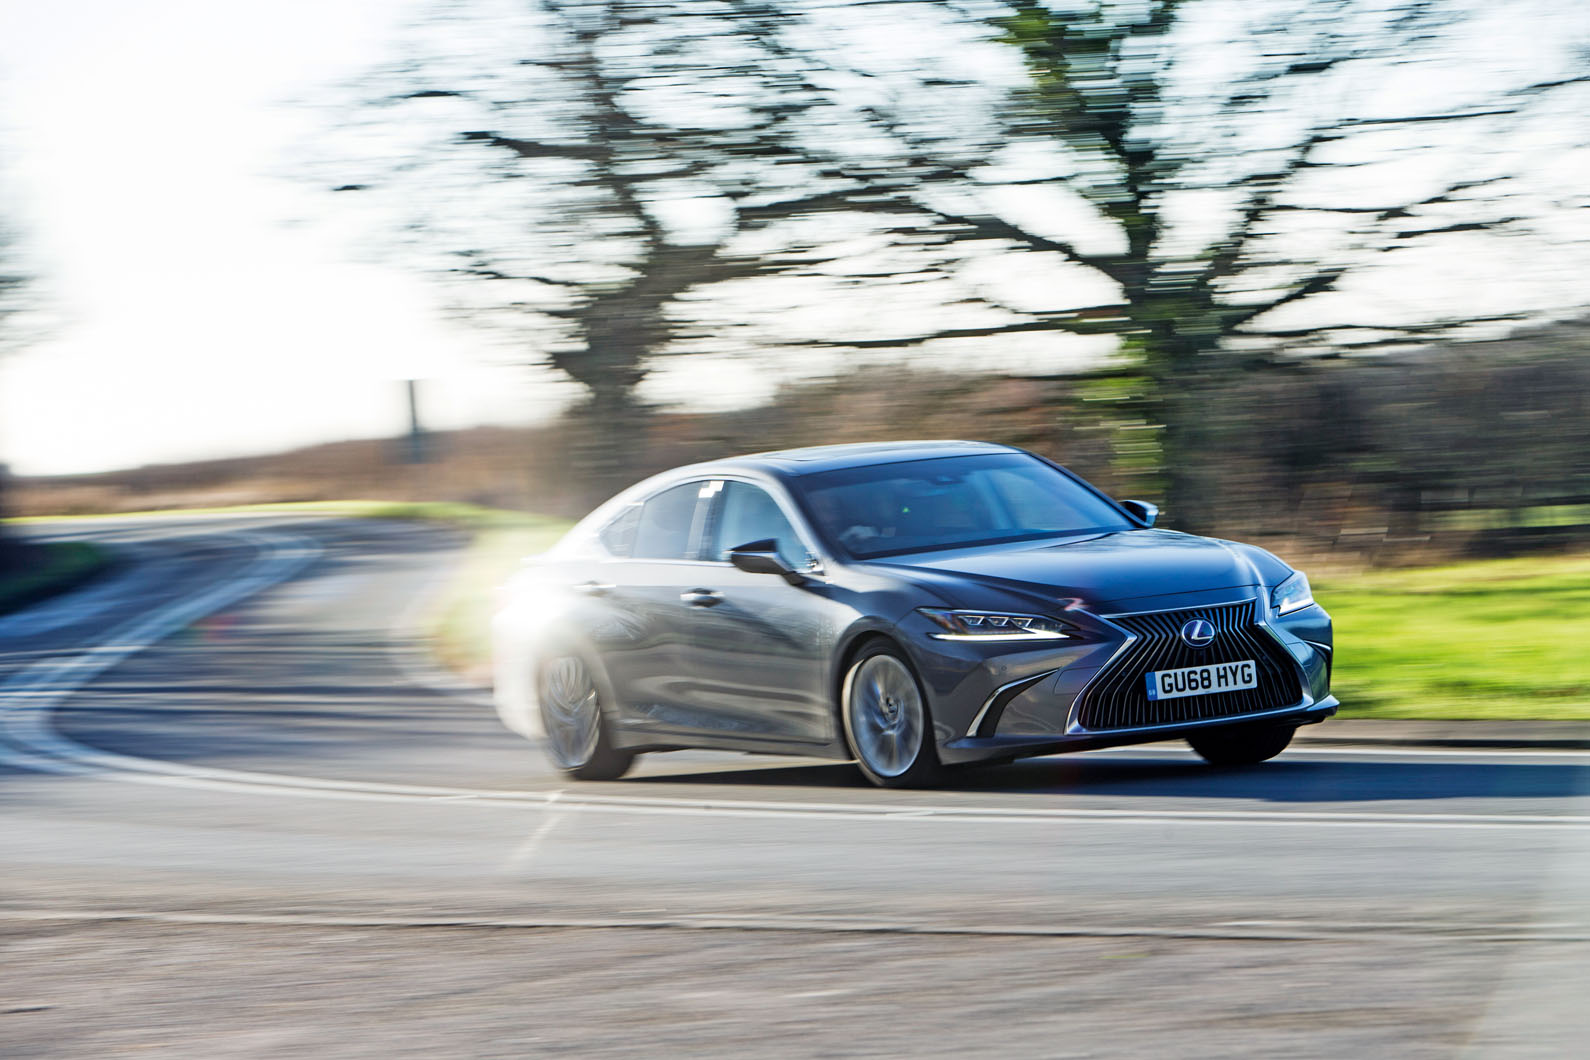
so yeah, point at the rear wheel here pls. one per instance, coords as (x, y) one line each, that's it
(887, 720)
(577, 740)
(1241, 745)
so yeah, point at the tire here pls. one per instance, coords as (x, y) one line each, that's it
(1241, 745)
(887, 721)
(571, 690)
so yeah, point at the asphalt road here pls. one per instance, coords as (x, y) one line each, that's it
(244, 817)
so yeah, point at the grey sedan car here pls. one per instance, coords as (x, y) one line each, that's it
(909, 606)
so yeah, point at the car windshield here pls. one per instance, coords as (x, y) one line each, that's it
(952, 502)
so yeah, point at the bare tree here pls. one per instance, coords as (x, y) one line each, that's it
(1252, 183)
(588, 169)
(1268, 167)
(1258, 182)
(622, 180)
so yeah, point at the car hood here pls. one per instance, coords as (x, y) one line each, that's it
(1095, 569)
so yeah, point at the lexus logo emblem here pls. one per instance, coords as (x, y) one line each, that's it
(1198, 633)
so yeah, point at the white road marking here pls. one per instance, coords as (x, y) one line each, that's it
(1290, 931)
(28, 700)
(149, 771)
(525, 852)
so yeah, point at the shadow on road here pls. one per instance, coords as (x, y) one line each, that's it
(1281, 780)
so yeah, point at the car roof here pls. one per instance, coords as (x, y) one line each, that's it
(819, 458)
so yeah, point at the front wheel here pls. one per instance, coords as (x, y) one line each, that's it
(1241, 745)
(887, 720)
(577, 740)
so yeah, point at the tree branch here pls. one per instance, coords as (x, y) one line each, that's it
(1433, 328)
(987, 226)
(536, 149)
(1074, 322)
(1319, 283)
(485, 272)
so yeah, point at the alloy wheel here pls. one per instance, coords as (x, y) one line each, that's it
(571, 711)
(887, 719)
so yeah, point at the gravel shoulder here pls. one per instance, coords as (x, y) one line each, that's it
(245, 991)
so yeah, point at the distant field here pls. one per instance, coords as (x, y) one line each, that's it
(1490, 639)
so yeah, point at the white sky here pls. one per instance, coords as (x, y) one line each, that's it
(196, 318)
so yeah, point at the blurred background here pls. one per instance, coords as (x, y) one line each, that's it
(1309, 273)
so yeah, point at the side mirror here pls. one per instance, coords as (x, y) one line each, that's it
(761, 557)
(1142, 511)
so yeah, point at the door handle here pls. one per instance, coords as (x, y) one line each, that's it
(702, 598)
(593, 588)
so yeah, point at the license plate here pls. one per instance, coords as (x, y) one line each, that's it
(1202, 680)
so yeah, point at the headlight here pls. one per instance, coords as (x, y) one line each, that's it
(988, 626)
(1291, 594)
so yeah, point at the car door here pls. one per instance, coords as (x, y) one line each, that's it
(757, 647)
(642, 640)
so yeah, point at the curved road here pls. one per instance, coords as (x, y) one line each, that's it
(243, 816)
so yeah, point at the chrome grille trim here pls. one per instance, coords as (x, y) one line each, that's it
(1116, 698)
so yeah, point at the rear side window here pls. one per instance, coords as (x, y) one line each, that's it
(665, 529)
(618, 536)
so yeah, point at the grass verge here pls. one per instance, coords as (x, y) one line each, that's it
(1491, 639)
(49, 568)
(461, 630)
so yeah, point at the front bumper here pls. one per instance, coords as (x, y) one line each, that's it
(995, 748)
(989, 704)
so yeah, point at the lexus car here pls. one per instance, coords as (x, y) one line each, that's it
(910, 606)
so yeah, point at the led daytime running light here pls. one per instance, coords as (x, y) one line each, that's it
(992, 626)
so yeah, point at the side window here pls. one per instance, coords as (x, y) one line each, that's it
(745, 514)
(618, 536)
(666, 520)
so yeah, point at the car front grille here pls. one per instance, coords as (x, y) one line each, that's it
(1118, 697)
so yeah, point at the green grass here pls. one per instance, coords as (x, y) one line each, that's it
(1491, 639)
(51, 567)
